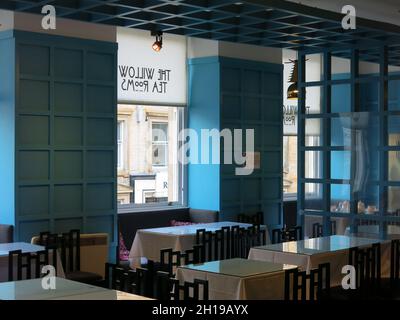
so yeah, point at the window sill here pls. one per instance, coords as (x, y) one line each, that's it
(149, 209)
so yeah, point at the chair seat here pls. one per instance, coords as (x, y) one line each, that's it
(83, 276)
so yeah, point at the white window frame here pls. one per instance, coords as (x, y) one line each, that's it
(120, 145)
(182, 172)
(157, 143)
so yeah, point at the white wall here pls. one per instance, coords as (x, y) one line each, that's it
(64, 27)
(382, 10)
(199, 48)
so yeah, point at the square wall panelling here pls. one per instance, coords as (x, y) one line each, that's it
(64, 108)
(243, 95)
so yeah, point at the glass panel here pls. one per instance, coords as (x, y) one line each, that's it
(341, 132)
(341, 98)
(313, 164)
(340, 198)
(393, 195)
(313, 132)
(394, 131)
(313, 226)
(368, 198)
(290, 164)
(313, 196)
(366, 229)
(369, 62)
(394, 95)
(314, 67)
(393, 230)
(394, 165)
(369, 96)
(314, 100)
(340, 226)
(341, 65)
(149, 148)
(340, 165)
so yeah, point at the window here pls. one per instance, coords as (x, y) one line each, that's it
(290, 166)
(160, 144)
(120, 133)
(150, 146)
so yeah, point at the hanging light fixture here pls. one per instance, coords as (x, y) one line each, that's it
(293, 90)
(158, 44)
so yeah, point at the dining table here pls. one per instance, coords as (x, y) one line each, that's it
(63, 289)
(148, 243)
(25, 247)
(238, 279)
(309, 253)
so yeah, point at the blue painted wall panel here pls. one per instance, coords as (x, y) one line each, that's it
(7, 131)
(204, 113)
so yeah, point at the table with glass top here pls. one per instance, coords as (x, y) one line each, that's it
(25, 247)
(64, 290)
(149, 242)
(238, 279)
(309, 253)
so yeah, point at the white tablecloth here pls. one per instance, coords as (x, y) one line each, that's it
(225, 286)
(149, 242)
(5, 248)
(308, 261)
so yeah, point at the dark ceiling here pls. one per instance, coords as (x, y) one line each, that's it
(273, 23)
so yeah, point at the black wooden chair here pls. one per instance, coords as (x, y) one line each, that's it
(168, 288)
(287, 234)
(28, 265)
(205, 238)
(390, 286)
(318, 230)
(194, 256)
(315, 285)
(71, 259)
(132, 281)
(169, 260)
(222, 243)
(367, 264)
(257, 218)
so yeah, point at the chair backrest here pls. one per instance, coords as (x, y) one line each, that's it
(6, 233)
(222, 243)
(287, 234)
(367, 263)
(28, 265)
(395, 262)
(195, 255)
(205, 238)
(169, 260)
(168, 288)
(70, 251)
(300, 285)
(131, 281)
(257, 218)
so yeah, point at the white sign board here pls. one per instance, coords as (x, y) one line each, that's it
(149, 77)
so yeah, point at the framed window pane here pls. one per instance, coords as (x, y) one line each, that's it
(394, 165)
(341, 132)
(393, 194)
(341, 98)
(313, 164)
(313, 196)
(313, 132)
(340, 198)
(394, 131)
(369, 96)
(290, 164)
(148, 139)
(341, 65)
(340, 165)
(314, 67)
(314, 100)
(394, 95)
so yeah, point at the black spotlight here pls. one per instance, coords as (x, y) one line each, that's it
(157, 45)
